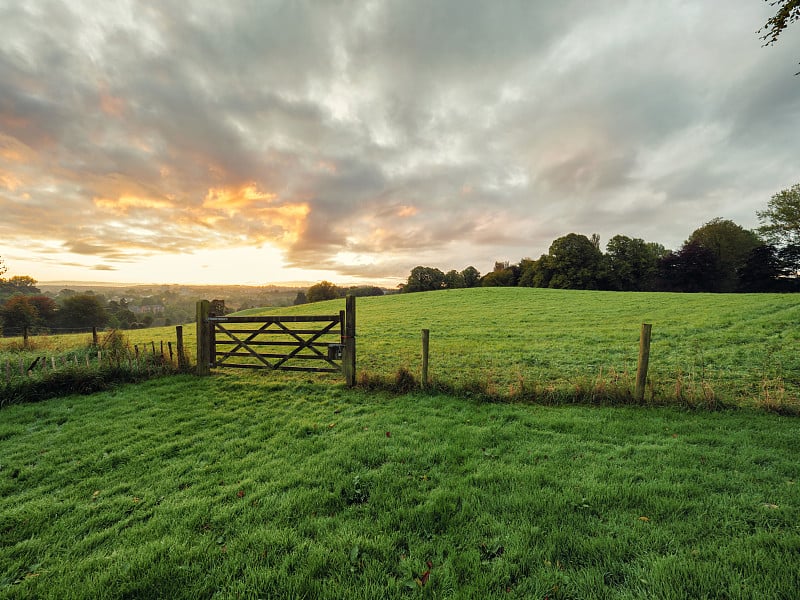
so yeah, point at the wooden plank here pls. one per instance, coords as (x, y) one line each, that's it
(204, 348)
(276, 319)
(269, 355)
(298, 369)
(349, 340)
(275, 331)
(260, 343)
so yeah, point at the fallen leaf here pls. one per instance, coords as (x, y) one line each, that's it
(388, 434)
(240, 494)
(771, 506)
(645, 519)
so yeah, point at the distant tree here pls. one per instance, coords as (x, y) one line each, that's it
(535, 273)
(46, 309)
(81, 311)
(323, 290)
(300, 298)
(693, 268)
(424, 279)
(363, 291)
(781, 222)
(731, 245)
(761, 270)
(632, 263)
(789, 256)
(504, 275)
(19, 284)
(19, 315)
(576, 263)
(454, 280)
(3, 267)
(472, 277)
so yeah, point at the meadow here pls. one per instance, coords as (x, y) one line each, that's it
(274, 485)
(556, 346)
(239, 486)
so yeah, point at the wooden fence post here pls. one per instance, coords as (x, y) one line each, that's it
(426, 334)
(94, 336)
(181, 352)
(644, 360)
(203, 339)
(349, 350)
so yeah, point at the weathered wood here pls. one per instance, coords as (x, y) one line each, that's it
(297, 369)
(232, 342)
(203, 338)
(275, 319)
(644, 361)
(182, 362)
(270, 355)
(426, 333)
(94, 336)
(349, 341)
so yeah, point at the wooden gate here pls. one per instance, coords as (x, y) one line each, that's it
(312, 343)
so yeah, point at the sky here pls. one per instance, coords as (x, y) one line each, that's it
(265, 142)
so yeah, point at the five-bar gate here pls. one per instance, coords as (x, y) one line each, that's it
(315, 343)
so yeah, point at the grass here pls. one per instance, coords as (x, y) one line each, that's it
(556, 346)
(238, 486)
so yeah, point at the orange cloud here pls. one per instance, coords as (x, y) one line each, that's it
(407, 211)
(232, 201)
(124, 203)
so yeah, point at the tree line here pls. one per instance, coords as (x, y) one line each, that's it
(719, 256)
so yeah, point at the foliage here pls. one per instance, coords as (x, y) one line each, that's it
(321, 291)
(241, 486)
(788, 12)
(19, 314)
(575, 262)
(300, 298)
(471, 277)
(781, 222)
(632, 263)
(81, 311)
(730, 244)
(423, 279)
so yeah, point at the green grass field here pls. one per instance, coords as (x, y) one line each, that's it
(560, 345)
(259, 485)
(239, 486)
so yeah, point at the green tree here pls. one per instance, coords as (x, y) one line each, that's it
(730, 245)
(324, 290)
(423, 279)
(472, 277)
(19, 315)
(780, 222)
(46, 309)
(300, 298)
(575, 263)
(760, 271)
(454, 280)
(632, 263)
(82, 311)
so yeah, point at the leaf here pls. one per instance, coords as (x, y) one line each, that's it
(644, 519)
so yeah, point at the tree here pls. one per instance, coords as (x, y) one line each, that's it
(82, 311)
(324, 290)
(46, 309)
(454, 280)
(3, 267)
(788, 12)
(19, 284)
(472, 277)
(730, 244)
(781, 223)
(576, 263)
(632, 263)
(760, 271)
(424, 279)
(19, 314)
(692, 269)
(300, 298)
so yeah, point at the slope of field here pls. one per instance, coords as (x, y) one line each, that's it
(242, 486)
(560, 345)
(742, 348)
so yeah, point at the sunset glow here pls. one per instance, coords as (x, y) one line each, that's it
(232, 142)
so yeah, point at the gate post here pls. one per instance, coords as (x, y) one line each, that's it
(349, 350)
(203, 338)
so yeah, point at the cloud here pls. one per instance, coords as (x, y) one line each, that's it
(363, 137)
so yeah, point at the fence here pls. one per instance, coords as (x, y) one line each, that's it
(285, 343)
